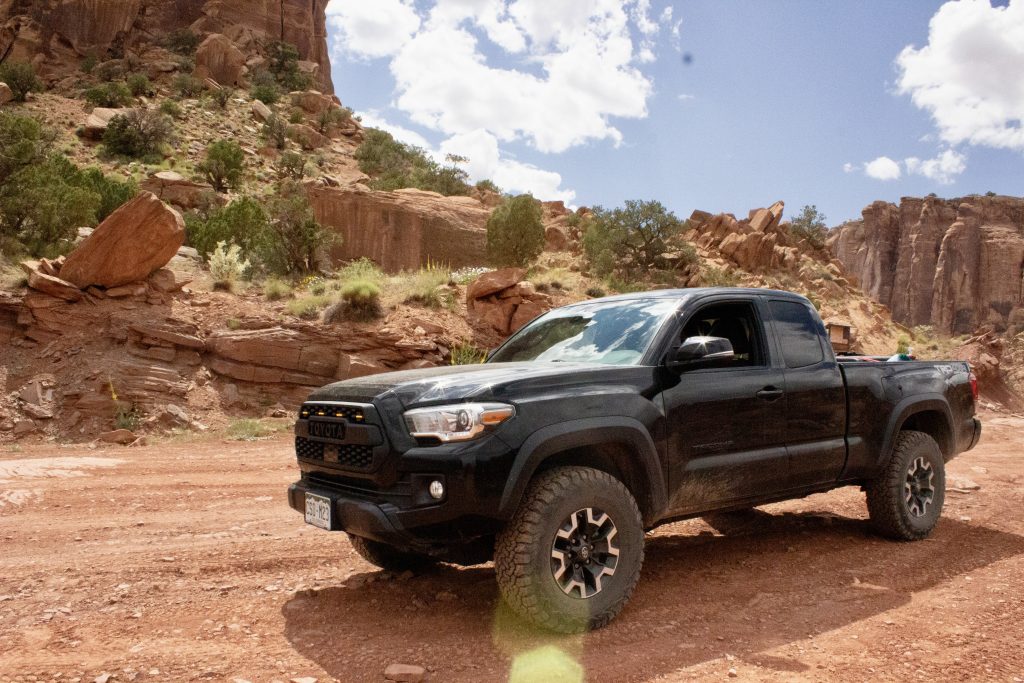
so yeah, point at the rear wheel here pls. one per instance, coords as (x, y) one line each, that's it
(905, 499)
(571, 556)
(389, 557)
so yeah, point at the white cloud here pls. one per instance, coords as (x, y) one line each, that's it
(374, 119)
(685, 97)
(968, 75)
(882, 168)
(849, 168)
(372, 29)
(942, 169)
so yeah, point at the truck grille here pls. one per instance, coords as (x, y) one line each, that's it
(351, 413)
(350, 456)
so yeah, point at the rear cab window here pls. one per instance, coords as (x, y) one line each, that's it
(799, 333)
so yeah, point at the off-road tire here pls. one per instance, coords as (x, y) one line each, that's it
(890, 513)
(388, 557)
(523, 553)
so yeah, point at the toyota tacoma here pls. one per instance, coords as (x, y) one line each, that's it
(601, 420)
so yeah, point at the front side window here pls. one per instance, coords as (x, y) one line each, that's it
(736, 322)
(608, 332)
(799, 333)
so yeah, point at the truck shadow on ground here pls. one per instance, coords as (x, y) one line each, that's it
(768, 580)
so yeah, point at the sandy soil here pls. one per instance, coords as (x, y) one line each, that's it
(182, 562)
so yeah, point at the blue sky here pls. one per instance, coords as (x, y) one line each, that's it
(710, 104)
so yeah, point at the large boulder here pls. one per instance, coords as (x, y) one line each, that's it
(217, 58)
(97, 121)
(307, 137)
(6, 94)
(132, 243)
(178, 190)
(312, 102)
(501, 300)
(493, 282)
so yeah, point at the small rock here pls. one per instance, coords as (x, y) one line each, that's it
(24, 427)
(102, 678)
(303, 679)
(963, 485)
(405, 673)
(119, 436)
(733, 673)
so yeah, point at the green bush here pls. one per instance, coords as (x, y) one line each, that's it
(89, 63)
(361, 269)
(283, 63)
(275, 289)
(109, 95)
(224, 165)
(109, 71)
(275, 132)
(810, 225)
(227, 266)
(308, 307)
(596, 292)
(423, 287)
(183, 41)
(335, 116)
(298, 239)
(20, 77)
(488, 186)
(467, 354)
(140, 86)
(242, 222)
(291, 165)
(297, 116)
(267, 94)
(221, 97)
(188, 86)
(112, 192)
(171, 108)
(360, 302)
(394, 165)
(710, 276)
(631, 238)
(138, 133)
(515, 233)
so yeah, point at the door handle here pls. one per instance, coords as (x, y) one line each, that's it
(770, 394)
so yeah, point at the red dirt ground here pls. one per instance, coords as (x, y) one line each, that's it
(182, 562)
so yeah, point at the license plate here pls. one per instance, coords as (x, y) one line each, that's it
(330, 431)
(318, 511)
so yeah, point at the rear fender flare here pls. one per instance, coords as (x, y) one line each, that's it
(906, 409)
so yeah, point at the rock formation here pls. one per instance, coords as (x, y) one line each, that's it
(956, 264)
(402, 230)
(57, 34)
(504, 301)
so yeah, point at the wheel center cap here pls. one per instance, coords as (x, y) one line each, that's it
(585, 553)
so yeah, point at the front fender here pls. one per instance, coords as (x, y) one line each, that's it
(564, 436)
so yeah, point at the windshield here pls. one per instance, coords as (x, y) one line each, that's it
(609, 332)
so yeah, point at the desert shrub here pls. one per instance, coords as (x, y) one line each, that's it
(20, 77)
(89, 63)
(810, 225)
(488, 186)
(275, 132)
(554, 278)
(632, 238)
(138, 132)
(109, 95)
(268, 94)
(140, 86)
(515, 233)
(595, 292)
(335, 116)
(171, 108)
(903, 344)
(224, 165)
(186, 65)
(183, 41)
(297, 238)
(423, 287)
(361, 269)
(308, 307)
(283, 63)
(188, 86)
(360, 302)
(112, 191)
(467, 354)
(275, 289)
(227, 265)
(128, 417)
(297, 116)
(291, 165)
(109, 71)
(394, 165)
(242, 222)
(24, 142)
(221, 97)
(711, 276)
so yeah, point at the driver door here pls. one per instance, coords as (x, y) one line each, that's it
(726, 421)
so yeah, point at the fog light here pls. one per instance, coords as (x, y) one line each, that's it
(436, 490)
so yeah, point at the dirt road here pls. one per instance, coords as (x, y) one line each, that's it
(182, 562)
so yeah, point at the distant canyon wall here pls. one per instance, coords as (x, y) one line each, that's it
(57, 34)
(955, 264)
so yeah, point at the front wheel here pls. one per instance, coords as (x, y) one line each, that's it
(905, 499)
(571, 555)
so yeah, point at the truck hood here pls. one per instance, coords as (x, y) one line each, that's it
(490, 381)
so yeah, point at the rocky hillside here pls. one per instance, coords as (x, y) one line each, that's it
(56, 35)
(954, 264)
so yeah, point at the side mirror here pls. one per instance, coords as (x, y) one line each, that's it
(698, 350)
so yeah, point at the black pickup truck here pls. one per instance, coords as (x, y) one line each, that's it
(603, 419)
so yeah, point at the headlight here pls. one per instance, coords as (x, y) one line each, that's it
(460, 422)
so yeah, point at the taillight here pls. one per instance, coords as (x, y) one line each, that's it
(974, 385)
